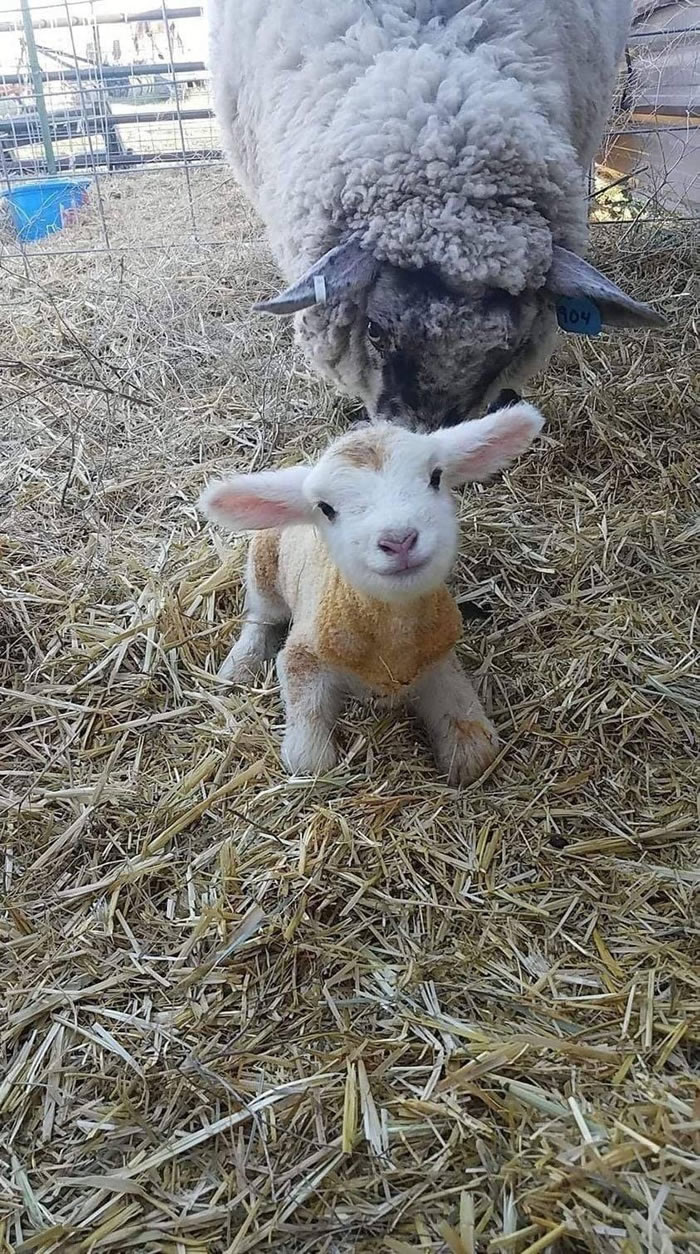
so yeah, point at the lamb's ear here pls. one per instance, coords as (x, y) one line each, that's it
(271, 498)
(573, 277)
(339, 273)
(475, 450)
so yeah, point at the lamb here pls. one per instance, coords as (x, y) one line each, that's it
(420, 167)
(354, 552)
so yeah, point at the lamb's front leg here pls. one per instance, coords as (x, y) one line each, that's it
(266, 614)
(464, 741)
(313, 697)
(260, 638)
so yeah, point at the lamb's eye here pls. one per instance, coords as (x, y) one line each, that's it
(327, 510)
(435, 478)
(376, 335)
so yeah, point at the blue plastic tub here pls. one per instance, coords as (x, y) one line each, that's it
(37, 209)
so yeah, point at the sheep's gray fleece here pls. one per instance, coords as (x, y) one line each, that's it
(420, 167)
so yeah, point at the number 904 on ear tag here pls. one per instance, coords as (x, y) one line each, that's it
(582, 317)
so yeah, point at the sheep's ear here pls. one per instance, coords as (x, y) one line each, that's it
(475, 450)
(272, 498)
(339, 273)
(575, 278)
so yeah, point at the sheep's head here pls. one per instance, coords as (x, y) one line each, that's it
(421, 353)
(381, 498)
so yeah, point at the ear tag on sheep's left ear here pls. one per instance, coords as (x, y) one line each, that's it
(582, 316)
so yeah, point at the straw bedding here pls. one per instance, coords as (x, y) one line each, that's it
(364, 1012)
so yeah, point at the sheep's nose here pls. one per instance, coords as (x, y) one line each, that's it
(397, 541)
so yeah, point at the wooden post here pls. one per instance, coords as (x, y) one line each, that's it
(38, 85)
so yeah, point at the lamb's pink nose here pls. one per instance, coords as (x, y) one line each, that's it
(399, 542)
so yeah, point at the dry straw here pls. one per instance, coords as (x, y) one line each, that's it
(366, 1012)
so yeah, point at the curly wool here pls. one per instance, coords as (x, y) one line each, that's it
(464, 176)
(448, 134)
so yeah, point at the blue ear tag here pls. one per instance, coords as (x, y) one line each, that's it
(582, 317)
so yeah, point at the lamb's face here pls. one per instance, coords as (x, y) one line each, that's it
(423, 356)
(380, 496)
(381, 500)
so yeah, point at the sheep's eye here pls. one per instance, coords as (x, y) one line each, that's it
(435, 478)
(376, 335)
(327, 510)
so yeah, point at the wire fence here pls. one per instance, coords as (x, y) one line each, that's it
(117, 96)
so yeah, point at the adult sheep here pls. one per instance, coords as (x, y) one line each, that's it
(420, 167)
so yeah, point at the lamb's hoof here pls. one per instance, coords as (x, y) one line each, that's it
(474, 748)
(308, 755)
(236, 672)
